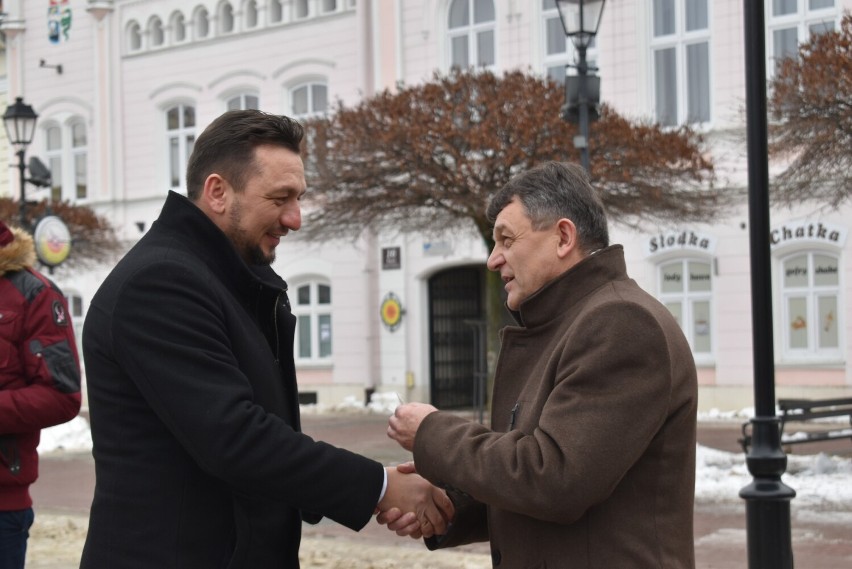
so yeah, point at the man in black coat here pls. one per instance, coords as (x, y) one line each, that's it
(188, 346)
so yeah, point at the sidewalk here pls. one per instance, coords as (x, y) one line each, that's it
(64, 491)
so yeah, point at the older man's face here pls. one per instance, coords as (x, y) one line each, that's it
(525, 258)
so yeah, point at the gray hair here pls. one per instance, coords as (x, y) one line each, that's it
(551, 191)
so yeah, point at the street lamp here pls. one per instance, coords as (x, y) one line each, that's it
(20, 120)
(580, 21)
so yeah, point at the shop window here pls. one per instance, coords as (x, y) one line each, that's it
(471, 29)
(686, 289)
(312, 307)
(810, 289)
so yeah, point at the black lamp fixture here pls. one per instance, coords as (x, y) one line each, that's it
(20, 121)
(580, 21)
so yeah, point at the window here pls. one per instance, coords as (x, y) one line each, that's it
(558, 49)
(226, 18)
(471, 27)
(75, 307)
(202, 23)
(134, 36)
(66, 151)
(313, 310)
(178, 25)
(251, 14)
(685, 288)
(276, 11)
(308, 99)
(810, 288)
(680, 48)
(328, 6)
(243, 102)
(301, 9)
(180, 129)
(791, 22)
(156, 37)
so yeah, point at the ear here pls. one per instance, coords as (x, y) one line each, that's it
(215, 195)
(567, 245)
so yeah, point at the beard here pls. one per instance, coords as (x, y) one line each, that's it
(249, 251)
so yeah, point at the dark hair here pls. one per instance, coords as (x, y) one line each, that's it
(226, 146)
(554, 190)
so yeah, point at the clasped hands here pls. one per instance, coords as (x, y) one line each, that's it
(411, 505)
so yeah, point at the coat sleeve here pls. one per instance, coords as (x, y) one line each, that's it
(178, 355)
(610, 396)
(51, 384)
(469, 525)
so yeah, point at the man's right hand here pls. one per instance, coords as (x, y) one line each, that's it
(409, 493)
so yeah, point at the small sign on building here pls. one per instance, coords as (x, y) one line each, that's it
(391, 258)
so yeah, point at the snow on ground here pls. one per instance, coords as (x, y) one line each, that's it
(821, 481)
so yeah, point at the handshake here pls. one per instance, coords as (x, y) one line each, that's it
(411, 505)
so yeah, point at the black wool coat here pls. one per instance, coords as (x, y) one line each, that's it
(200, 462)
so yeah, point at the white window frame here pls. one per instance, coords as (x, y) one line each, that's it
(64, 185)
(687, 299)
(312, 311)
(312, 103)
(184, 147)
(564, 58)
(680, 41)
(812, 354)
(243, 103)
(802, 20)
(471, 32)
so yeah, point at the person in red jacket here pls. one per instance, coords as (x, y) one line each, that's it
(39, 382)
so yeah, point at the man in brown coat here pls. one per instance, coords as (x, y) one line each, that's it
(590, 458)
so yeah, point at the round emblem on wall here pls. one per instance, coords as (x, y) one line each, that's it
(52, 240)
(391, 311)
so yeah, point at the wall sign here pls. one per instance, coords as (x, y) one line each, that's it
(391, 258)
(686, 240)
(52, 240)
(803, 231)
(391, 311)
(58, 20)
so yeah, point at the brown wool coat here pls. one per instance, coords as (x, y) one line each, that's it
(590, 458)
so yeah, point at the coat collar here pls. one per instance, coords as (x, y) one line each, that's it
(553, 299)
(19, 254)
(198, 232)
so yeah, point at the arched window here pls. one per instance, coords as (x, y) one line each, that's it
(471, 25)
(811, 311)
(276, 11)
(226, 18)
(53, 154)
(251, 14)
(301, 9)
(686, 289)
(134, 36)
(243, 101)
(180, 132)
(178, 25)
(202, 23)
(312, 307)
(328, 6)
(79, 159)
(156, 37)
(308, 99)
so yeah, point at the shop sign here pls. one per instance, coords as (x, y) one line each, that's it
(686, 240)
(801, 232)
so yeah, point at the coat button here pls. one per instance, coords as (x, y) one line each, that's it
(496, 557)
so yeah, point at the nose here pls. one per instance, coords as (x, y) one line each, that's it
(291, 217)
(495, 260)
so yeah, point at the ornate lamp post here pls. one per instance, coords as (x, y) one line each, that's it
(580, 20)
(20, 121)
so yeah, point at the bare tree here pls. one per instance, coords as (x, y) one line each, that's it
(430, 156)
(93, 239)
(811, 104)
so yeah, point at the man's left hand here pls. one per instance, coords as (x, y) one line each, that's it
(403, 424)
